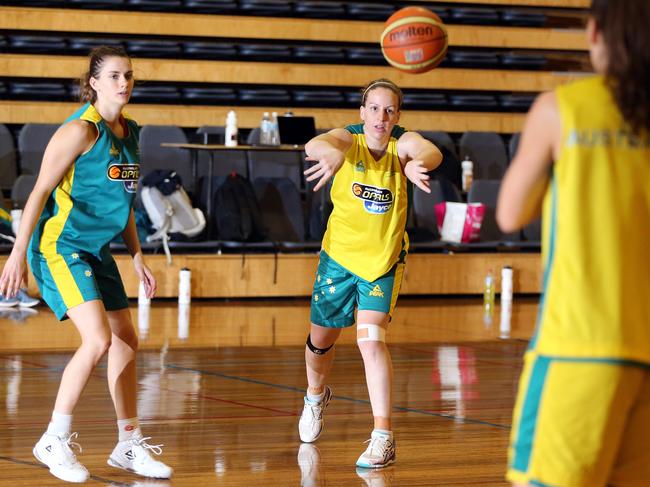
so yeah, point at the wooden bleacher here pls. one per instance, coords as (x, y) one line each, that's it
(177, 25)
(283, 275)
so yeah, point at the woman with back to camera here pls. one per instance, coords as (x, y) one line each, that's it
(81, 200)
(582, 416)
(363, 253)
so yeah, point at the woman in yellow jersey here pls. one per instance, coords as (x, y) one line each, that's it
(582, 417)
(82, 199)
(363, 252)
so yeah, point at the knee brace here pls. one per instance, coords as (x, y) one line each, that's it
(316, 350)
(375, 333)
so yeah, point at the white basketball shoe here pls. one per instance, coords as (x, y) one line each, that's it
(56, 452)
(310, 425)
(133, 455)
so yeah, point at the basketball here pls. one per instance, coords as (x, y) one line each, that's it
(414, 40)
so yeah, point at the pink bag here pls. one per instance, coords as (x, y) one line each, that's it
(459, 222)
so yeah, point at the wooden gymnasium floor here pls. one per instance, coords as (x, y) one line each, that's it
(224, 398)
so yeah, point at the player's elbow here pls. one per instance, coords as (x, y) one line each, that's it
(507, 219)
(437, 158)
(309, 146)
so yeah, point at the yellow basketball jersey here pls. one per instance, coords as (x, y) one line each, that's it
(366, 230)
(596, 229)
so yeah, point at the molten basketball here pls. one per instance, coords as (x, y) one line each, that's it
(414, 40)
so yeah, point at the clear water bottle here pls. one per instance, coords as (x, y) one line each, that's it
(467, 175)
(265, 129)
(231, 129)
(488, 293)
(275, 130)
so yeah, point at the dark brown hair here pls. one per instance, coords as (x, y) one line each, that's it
(96, 60)
(382, 83)
(624, 25)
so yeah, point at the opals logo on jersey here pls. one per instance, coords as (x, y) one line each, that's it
(127, 173)
(375, 200)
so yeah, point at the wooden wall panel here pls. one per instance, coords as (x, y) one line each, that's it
(48, 66)
(155, 23)
(264, 275)
(20, 112)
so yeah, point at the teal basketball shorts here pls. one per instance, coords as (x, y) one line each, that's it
(337, 292)
(70, 278)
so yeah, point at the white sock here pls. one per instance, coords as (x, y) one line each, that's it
(60, 424)
(129, 429)
(316, 398)
(385, 433)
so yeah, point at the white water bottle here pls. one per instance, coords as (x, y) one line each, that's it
(183, 321)
(143, 320)
(142, 295)
(467, 175)
(184, 286)
(231, 129)
(506, 302)
(16, 215)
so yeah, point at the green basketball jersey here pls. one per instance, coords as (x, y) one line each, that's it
(91, 204)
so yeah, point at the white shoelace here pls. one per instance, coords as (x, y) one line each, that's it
(157, 449)
(69, 453)
(316, 410)
(378, 444)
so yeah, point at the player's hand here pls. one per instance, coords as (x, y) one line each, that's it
(13, 275)
(145, 275)
(326, 167)
(417, 173)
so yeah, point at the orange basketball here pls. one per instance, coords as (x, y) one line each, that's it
(414, 40)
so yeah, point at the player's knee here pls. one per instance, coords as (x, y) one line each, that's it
(317, 350)
(370, 335)
(128, 339)
(97, 346)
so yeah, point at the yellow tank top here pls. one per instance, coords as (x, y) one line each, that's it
(366, 230)
(596, 234)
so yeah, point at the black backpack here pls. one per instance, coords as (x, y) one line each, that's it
(235, 211)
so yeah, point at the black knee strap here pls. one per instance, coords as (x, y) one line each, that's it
(316, 350)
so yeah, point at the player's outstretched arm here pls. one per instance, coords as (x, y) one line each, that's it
(525, 182)
(421, 155)
(67, 143)
(328, 152)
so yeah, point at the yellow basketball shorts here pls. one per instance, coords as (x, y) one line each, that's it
(581, 423)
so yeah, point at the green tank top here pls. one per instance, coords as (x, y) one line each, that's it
(91, 204)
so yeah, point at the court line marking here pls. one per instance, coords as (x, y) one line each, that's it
(345, 398)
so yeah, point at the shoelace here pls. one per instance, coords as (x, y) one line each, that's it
(316, 410)
(72, 444)
(378, 444)
(157, 449)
